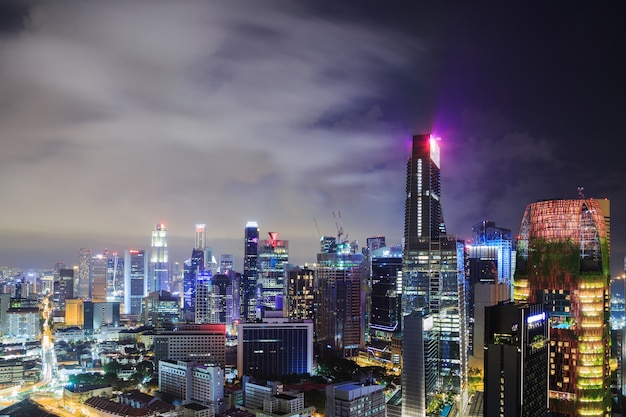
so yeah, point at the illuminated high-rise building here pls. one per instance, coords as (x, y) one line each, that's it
(159, 265)
(200, 236)
(515, 360)
(81, 285)
(98, 277)
(433, 270)
(490, 267)
(135, 280)
(273, 255)
(227, 262)
(115, 277)
(191, 269)
(250, 270)
(300, 292)
(385, 302)
(340, 320)
(563, 262)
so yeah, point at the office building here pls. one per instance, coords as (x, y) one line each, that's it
(250, 271)
(204, 343)
(419, 364)
(63, 290)
(275, 347)
(161, 310)
(353, 399)
(490, 270)
(98, 272)
(433, 271)
(227, 262)
(99, 314)
(385, 303)
(340, 322)
(115, 277)
(203, 297)
(135, 280)
(516, 360)
(190, 381)
(272, 258)
(159, 264)
(300, 301)
(563, 262)
(23, 322)
(192, 268)
(223, 300)
(81, 286)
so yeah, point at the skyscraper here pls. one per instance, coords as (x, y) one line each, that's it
(273, 255)
(340, 319)
(250, 270)
(159, 266)
(385, 311)
(81, 285)
(300, 293)
(563, 262)
(433, 270)
(516, 360)
(419, 368)
(98, 277)
(135, 280)
(490, 266)
(191, 269)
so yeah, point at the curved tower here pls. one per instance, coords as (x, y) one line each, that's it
(563, 262)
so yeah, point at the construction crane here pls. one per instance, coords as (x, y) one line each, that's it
(339, 226)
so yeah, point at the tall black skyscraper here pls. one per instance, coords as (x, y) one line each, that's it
(433, 272)
(516, 360)
(250, 271)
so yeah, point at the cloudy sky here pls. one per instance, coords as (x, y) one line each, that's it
(117, 115)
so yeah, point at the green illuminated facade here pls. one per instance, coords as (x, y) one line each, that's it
(563, 262)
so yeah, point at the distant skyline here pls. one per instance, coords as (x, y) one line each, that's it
(116, 116)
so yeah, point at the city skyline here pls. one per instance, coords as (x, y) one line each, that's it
(121, 116)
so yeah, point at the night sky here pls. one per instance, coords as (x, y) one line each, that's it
(117, 115)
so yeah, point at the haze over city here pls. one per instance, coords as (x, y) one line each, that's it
(117, 116)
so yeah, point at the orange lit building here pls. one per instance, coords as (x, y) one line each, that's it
(563, 262)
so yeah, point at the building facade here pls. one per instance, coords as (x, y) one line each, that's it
(433, 270)
(350, 399)
(490, 270)
(340, 315)
(276, 347)
(300, 291)
(135, 280)
(250, 271)
(273, 256)
(516, 360)
(563, 262)
(159, 260)
(204, 343)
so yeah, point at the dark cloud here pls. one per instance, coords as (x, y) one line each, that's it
(119, 115)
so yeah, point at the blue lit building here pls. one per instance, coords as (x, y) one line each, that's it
(276, 347)
(490, 270)
(135, 280)
(273, 256)
(250, 270)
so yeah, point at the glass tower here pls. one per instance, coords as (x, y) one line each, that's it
(159, 270)
(135, 280)
(433, 271)
(273, 256)
(250, 270)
